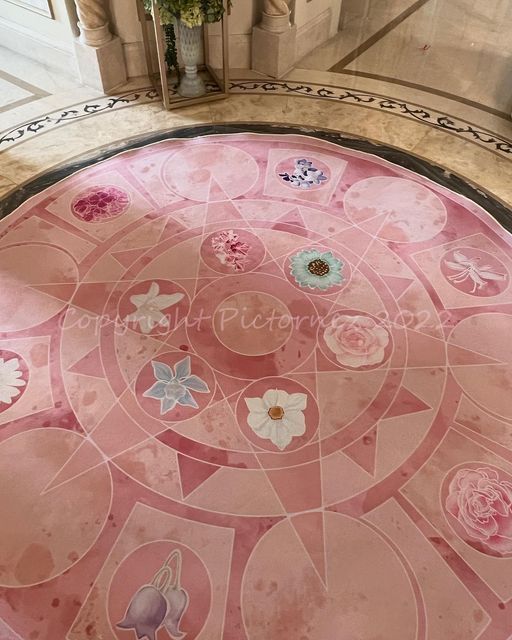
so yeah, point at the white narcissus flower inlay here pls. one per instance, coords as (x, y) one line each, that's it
(277, 416)
(150, 306)
(10, 380)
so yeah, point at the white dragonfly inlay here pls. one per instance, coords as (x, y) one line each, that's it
(470, 268)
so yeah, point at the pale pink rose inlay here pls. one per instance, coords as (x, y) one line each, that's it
(356, 341)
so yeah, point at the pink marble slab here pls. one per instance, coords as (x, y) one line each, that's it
(254, 386)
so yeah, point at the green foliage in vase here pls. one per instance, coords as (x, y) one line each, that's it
(192, 12)
(171, 55)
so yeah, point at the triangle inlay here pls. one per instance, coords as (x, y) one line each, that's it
(90, 365)
(193, 473)
(405, 403)
(397, 284)
(364, 450)
(310, 529)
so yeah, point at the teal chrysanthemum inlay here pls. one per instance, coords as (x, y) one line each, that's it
(316, 269)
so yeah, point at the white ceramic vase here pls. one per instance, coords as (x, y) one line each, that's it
(190, 41)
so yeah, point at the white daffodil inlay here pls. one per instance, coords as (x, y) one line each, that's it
(149, 308)
(277, 416)
(10, 380)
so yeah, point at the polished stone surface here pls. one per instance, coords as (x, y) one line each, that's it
(459, 48)
(101, 67)
(360, 20)
(35, 155)
(183, 129)
(273, 53)
(168, 465)
(11, 94)
(452, 157)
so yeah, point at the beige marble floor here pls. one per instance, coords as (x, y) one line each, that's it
(43, 89)
(418, 96)
(380, 48)
(464, 71)
(11, 93)
(469, 56)
(36, 73)
(369, 27)
(360, 20)
(460, 48)
(85, 137)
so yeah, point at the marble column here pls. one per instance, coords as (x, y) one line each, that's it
(99, 53)
(274, 40)
(93, 22)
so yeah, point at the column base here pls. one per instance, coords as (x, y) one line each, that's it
(273, 53)
(94, 37)
(277, 24)
(101, 67)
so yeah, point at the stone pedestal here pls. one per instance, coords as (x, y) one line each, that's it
(103, 66)
(273, 46)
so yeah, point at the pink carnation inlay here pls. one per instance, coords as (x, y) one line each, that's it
(482, 504)
(230, 250)
(100, 204)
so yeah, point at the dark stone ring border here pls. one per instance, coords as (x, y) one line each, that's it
(438, 174)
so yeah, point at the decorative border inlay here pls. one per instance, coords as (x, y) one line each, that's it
(402, 158)
(435, 119)
(410, 110)
(81, 110)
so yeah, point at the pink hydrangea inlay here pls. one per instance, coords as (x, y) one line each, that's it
(230, 250)
(100, 204)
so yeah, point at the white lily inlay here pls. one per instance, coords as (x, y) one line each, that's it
(10, 380)
(150, 306)
(277, 416)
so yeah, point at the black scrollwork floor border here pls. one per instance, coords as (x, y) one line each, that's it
(77, 112)
(382, 103)
(456, 126)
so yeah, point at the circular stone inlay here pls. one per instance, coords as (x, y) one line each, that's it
(226, 377)
(403, 210)
(252, 323)
(50, 522)
(100, 203)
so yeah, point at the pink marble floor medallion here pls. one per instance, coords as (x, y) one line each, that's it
(254, 387)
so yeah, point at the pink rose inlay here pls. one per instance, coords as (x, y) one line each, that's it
(482, 504)
(356, 341)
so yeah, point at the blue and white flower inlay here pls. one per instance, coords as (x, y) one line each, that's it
(305, 175)
(316, 269)
(175, 387)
